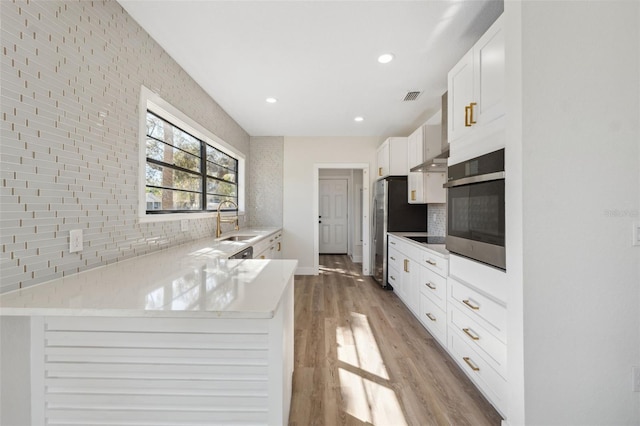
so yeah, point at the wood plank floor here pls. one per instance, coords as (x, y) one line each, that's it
(362, 358)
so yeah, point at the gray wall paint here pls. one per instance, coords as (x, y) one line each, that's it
(265, 180)
(71, 77)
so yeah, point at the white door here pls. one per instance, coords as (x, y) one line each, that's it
(333, 205)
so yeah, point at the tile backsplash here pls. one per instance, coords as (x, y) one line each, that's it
(437, 219)
(265, 181)
(71, 77)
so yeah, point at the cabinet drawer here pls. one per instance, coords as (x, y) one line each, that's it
(484, 310)
(395, 259)
(434, 319)
(434, 286)
(394, 277)
(436, 263)
(476, 335)
(486, 378)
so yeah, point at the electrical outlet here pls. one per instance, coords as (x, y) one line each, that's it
(184, 225)
(75, 240)
(635, 379)
(636, 234)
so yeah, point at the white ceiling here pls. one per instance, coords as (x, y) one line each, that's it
(318, 58)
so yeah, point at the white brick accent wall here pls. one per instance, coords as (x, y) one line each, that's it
(71, 78)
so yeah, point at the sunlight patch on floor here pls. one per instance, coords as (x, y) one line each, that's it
(364, 381)
(368, 401)
(357, 346)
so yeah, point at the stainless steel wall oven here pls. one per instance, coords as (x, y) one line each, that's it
(475, 209)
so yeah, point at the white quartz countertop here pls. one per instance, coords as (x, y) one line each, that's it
(191, 280)
(438, 249)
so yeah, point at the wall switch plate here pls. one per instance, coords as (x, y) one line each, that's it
(184, 225)
(75, 240)
(636, 234)
(635, 378)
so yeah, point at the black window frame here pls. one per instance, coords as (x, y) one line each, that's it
(201, 173)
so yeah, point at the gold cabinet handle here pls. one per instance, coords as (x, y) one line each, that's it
(406, 265)
(471, 305)
(392, 258)
(466, 116)
(431, 317)
(392, 243)
(279, 246)
(472, 336)
(392, 277)
(413, 195)
(262, 257)
(471, 120)
(379, 171)
(431, 262)
(430, 285)
(470, 364)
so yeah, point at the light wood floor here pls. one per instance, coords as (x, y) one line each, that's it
(362, 358)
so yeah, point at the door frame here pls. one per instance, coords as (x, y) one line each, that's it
(366, 251)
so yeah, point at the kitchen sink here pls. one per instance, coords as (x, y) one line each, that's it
(238, 238)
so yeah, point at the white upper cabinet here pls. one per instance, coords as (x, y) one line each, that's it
(426, 188)
(424, 143)
(392, 157)
(476, 85)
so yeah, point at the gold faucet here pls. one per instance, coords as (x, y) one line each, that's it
(229, 219)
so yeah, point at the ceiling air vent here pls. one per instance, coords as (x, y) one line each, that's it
(411, 96)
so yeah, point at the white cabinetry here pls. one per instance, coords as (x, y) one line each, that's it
(419, 280)
(426, 188)
(392, 157)
(477, 325)
(476, 86)
(269, 247)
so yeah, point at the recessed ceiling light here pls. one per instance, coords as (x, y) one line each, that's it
(271, 100)
(385, 58)
(358, 119)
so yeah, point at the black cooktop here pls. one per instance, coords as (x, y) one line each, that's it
(428, 240)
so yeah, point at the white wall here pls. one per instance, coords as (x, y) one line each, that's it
(300, 155)
(573, 152)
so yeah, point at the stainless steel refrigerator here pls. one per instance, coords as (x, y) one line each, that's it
(393, 213)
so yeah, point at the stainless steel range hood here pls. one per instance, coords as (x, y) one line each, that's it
(439, 162)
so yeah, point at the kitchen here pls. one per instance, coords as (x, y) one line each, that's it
(570, 357)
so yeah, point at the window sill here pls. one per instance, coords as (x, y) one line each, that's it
(150, 218)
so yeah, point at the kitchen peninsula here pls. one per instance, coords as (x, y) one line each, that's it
(180, 336)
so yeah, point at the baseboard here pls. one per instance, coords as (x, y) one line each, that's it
(306, 270)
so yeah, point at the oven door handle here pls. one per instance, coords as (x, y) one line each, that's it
(474, 179)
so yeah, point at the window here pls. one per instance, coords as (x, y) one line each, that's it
(184, 168)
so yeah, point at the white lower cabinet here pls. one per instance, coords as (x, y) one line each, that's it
(462, 305)
(269, 247)
(423, 284)
(477, 326)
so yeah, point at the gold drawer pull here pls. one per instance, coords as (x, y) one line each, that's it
(392, 243)
(470, 364)
(431, 262)
(471, 120)
(392, 258)
(279, 246)
(470, 334)
(379, 171)
(431, 317)
(406, 265)
(471, 305)
(466, 116)
(430, 285)
(413, 195)
(392, 277)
